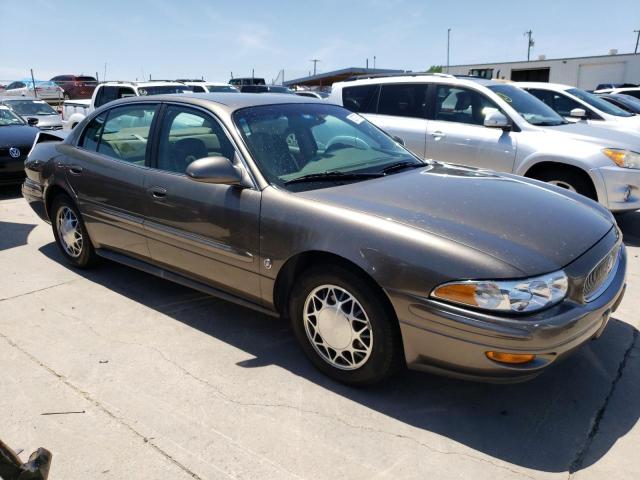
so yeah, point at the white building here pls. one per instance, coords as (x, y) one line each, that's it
(582, 72)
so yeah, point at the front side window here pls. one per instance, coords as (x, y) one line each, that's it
(361, 99)
(318, 142)
(528, 106)
(187, 135)
(598, 103)
(399, 100)
(462, 105)
(558, 101)
(126, 132)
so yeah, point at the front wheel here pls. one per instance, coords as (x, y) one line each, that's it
(344, 326)
(572, 180)
(70, 233)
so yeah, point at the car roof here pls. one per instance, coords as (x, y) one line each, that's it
(158, 83)
(418, 78)
(229, 102)
(544, 85)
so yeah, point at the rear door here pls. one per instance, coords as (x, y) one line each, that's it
(456, 131)
(208, 231)
(402, 112)
(107, 170)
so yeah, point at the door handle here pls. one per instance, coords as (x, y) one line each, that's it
(438, 134)
(75, 169)
(157, 192)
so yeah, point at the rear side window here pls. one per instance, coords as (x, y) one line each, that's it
(91, 135)
(198, 89)
(362, 99)
(408, 100)
(462, 105)
(126, 132)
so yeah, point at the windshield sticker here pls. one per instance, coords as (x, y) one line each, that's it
(355, 118)
(504, 97)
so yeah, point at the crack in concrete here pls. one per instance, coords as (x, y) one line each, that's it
(578, 462)
(36, 291)
(103, 409)
(223, 396)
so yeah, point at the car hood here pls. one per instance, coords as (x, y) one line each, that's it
(534, 228)
(46, 120)
(601, 135)
(17, 135)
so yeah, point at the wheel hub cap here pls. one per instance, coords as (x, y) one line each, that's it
(69, 232)
(338, 327)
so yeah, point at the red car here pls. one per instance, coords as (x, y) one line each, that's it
(76, 86)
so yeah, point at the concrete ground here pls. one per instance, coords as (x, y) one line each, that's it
(164, 382)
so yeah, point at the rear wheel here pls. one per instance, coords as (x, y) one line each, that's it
(569, 179)
(344, 326)
(70, 233)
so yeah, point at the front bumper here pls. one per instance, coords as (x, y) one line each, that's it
(620, 188)
(453, 341)
(11, 171)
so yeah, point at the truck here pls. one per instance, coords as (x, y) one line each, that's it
(74, 111)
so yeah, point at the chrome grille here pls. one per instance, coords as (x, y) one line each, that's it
(600, 277)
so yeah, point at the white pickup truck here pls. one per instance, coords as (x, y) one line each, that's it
(74, 111)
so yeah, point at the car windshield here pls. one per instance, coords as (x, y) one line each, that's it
(291, 141)
(529, 107)
(163, 89)
(7, 117)
(222, 88)
(598, 103)
(30, 107)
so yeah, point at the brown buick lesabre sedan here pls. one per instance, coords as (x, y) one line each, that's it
(299, 208)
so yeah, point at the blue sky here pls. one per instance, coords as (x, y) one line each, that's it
(211, 38)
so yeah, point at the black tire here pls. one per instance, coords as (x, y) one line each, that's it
(385, 355)
(565, 178)
(86, 256)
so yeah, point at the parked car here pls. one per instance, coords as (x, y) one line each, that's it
(74, 111)
(76, 86)
(238, 81)
(42, 90)
(30, 109)
(378, 258)
(492, 124)
(632, 91)
(578, 105)
(265, 89)
(611, 86)
(16, 139)
(625, 102)
(312, 94)
(201, 86)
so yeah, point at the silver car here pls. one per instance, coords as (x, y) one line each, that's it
(32, 109)
(498, 126)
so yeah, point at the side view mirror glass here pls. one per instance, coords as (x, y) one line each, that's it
(578, 113)
(496, 119)
(32, 121)
(218, 170)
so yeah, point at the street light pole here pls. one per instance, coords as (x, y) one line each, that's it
(448, 45)
(637, 40)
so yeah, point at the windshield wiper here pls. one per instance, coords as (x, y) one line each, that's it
(329, 175)
(401, 165)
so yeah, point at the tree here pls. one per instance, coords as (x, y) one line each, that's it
(435, 69)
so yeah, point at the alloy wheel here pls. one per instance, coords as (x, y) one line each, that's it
(69, 231)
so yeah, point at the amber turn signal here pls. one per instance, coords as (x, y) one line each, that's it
(513, 358)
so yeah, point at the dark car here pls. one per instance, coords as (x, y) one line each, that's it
(34, 110)
(16, 139)
(296, 207)
(265, 89)
(239, 81)
(76, 86)
(625, 102)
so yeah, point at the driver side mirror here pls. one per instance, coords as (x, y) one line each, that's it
(218, 170)
(497, 119)
(397, 139)
(32, 121)
(578, 113)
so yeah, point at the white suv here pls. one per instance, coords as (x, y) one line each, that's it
(494, 125)
(579, 105)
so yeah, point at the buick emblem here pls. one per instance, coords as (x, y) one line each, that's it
(14, 152)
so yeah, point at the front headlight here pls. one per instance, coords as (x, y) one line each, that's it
(527, 295)
(623, 158)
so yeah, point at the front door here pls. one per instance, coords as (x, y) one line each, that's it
(209, 231)
(457, 134)
(107, 172)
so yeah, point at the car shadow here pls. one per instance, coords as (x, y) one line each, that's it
(14, 234)
(9, 192)
(543, 424)
(629, 223)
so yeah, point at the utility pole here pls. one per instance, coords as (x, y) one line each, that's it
(315, 63)
(374, 62)
(530, 43)
(448, 45)
(637, 40)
